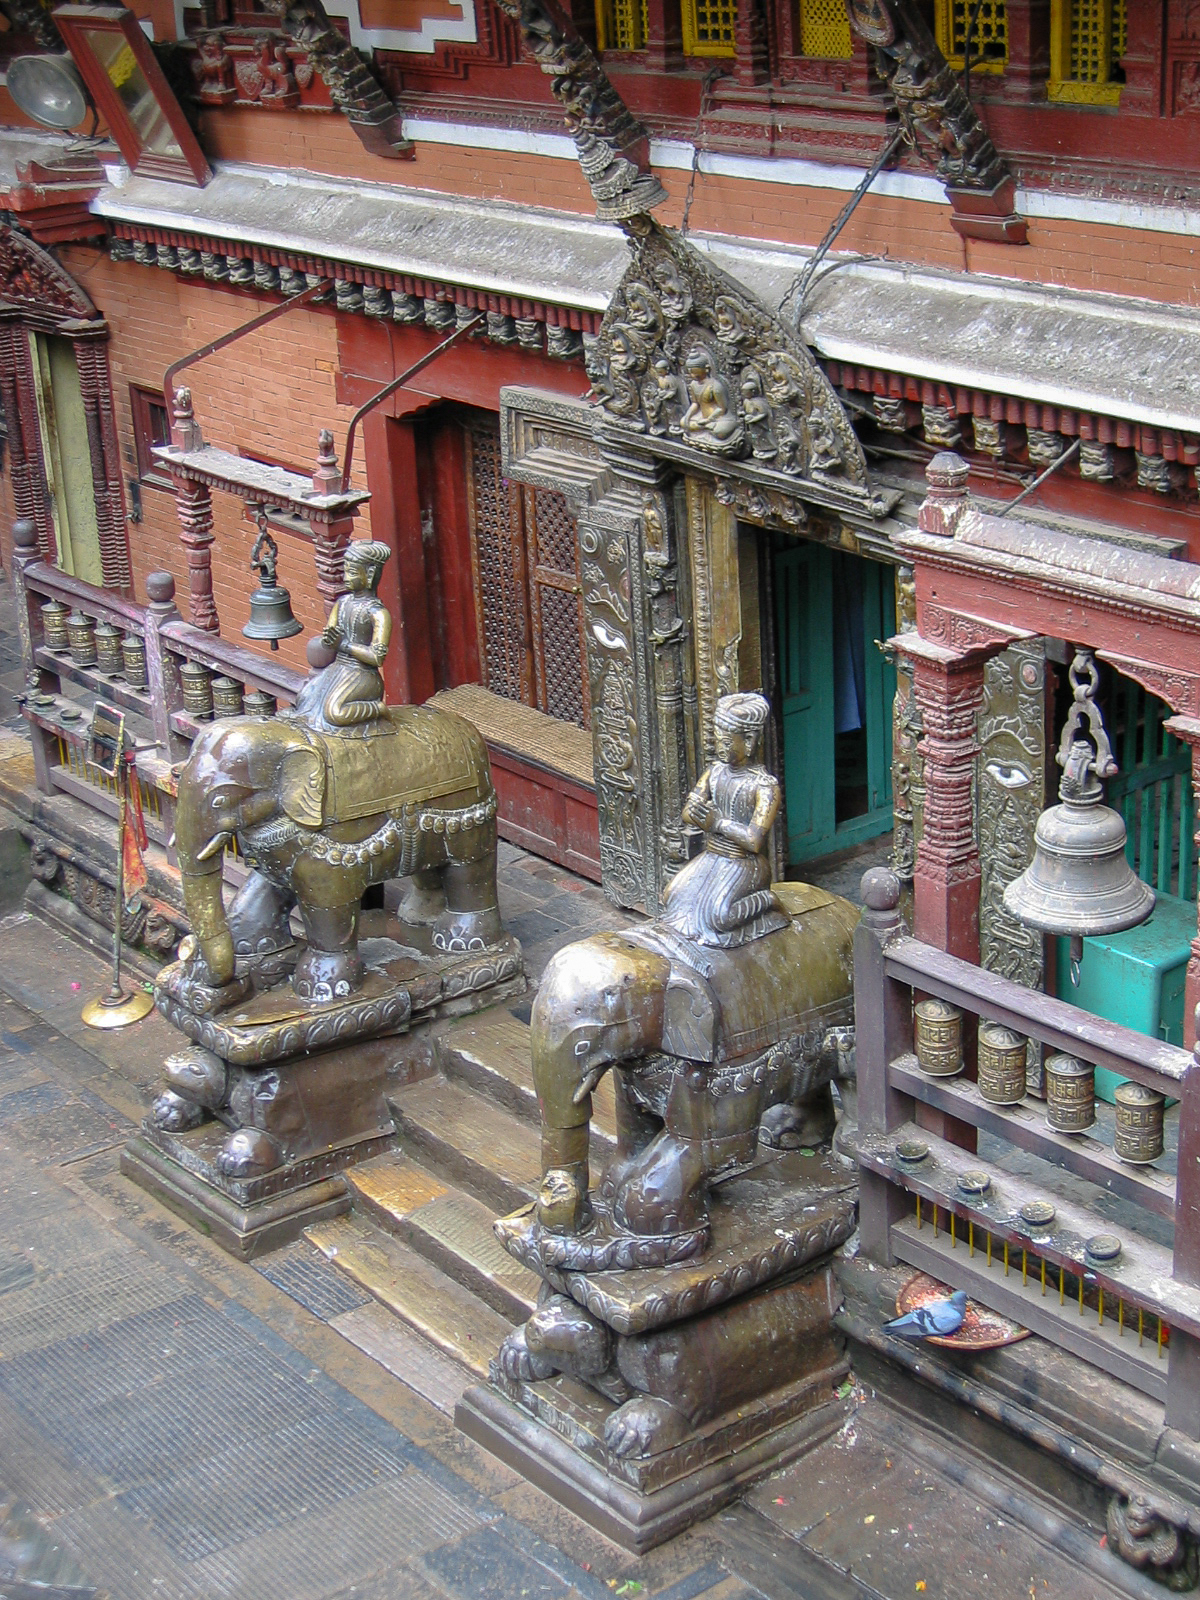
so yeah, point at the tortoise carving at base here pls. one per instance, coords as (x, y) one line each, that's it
(293, 1041)
(683, 1340)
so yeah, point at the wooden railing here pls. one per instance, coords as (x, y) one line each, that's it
(158, 718)
(928, 1198)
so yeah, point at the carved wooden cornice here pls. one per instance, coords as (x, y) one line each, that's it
(940, 120)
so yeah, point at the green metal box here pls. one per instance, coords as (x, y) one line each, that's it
(1135, 978)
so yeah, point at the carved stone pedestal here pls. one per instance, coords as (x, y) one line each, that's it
(275, 1096)
(646, 1399)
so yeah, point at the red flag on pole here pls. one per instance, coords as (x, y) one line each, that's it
(134, 838)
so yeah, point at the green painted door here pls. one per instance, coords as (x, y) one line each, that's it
(836, 694)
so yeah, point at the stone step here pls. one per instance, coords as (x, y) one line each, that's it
(469, 1143)
(490, 1053)
(450, 1317)
(448, 1228)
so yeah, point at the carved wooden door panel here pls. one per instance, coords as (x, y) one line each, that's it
(498, 569)
(556, 605)
(528, 599)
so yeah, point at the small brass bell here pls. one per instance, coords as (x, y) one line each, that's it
(270, 605)
(1079, 882)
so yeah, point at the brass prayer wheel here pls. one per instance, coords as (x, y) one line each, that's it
(938, 1038)
(1138, 1136)
(227, 697)
(54, 625)
(1001, 1064)
(197, 690)
(1070, 1094)
(258, 703)
(133, 655)
(81, 631)
(108, 649)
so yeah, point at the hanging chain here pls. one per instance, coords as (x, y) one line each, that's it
(700, 139)
(799, 286)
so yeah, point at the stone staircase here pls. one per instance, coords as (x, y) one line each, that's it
(419, 1238)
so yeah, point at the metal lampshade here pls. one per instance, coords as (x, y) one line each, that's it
(270, 604)
(1079, 882)
(48, 89)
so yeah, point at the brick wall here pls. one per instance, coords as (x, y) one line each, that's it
(1080, 255)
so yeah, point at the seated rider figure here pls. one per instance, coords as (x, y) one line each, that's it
(349, 692)
(723, 896)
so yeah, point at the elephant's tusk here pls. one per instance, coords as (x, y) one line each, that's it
(214, 845)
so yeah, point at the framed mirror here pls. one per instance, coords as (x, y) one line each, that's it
(132, 94)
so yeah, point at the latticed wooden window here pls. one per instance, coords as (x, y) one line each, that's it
(528, 604)
(621, 24)
(708, 27)
(825, 30)
(989, 33)
(1087, 41)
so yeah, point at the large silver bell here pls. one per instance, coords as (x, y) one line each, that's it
(270, 604)
(1079, 882)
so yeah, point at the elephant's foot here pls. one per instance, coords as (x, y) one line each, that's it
(570, 1339)
(803, 1126)
(198, 1075)
(174, 1114)
(661, 1189)
(193, 983)
(323, 975)
(562, 1199)
(248, 1153)
(517, 1362)
(645, 1426)
(459, 932)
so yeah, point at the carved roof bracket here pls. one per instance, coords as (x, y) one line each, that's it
(614, 147)
(690, 367)
(353, 86)
(941, 120)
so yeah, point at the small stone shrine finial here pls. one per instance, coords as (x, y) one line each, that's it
(327, 475)
(185, 430)
(946, 502)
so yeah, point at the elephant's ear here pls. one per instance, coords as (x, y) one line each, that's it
(302, 787)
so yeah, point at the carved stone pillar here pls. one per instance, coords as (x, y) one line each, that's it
(949, 691)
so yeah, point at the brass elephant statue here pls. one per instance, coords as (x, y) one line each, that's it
(319, 816)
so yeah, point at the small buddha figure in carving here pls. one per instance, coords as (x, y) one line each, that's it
(350, 690)
(710, 421)
(723, 896)
(760, 419)
(664, 398)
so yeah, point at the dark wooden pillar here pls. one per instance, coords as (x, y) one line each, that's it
(392, 478)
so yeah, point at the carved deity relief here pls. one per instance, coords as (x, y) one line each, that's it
(1011, 793)
(688, 356)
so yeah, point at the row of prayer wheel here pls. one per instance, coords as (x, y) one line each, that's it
(207, 695)
(94, 644)
(1070, 1082)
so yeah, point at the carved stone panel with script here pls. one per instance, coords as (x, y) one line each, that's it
(691, 367)
(1012, 791)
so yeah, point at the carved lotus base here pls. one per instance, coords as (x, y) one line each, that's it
(644, 1398)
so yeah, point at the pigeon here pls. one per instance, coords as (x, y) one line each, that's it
(936, 1319)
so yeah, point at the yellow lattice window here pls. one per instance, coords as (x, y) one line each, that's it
(1087, 41)
(621, 24)
(825, 30)
(989, 34)
(708, 27)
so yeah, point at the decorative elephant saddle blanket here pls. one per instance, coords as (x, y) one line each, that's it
(418, 753)
(726, 1004)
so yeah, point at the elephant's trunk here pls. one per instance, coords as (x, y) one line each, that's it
(206, 913)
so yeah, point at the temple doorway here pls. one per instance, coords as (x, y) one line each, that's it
(835, 695)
